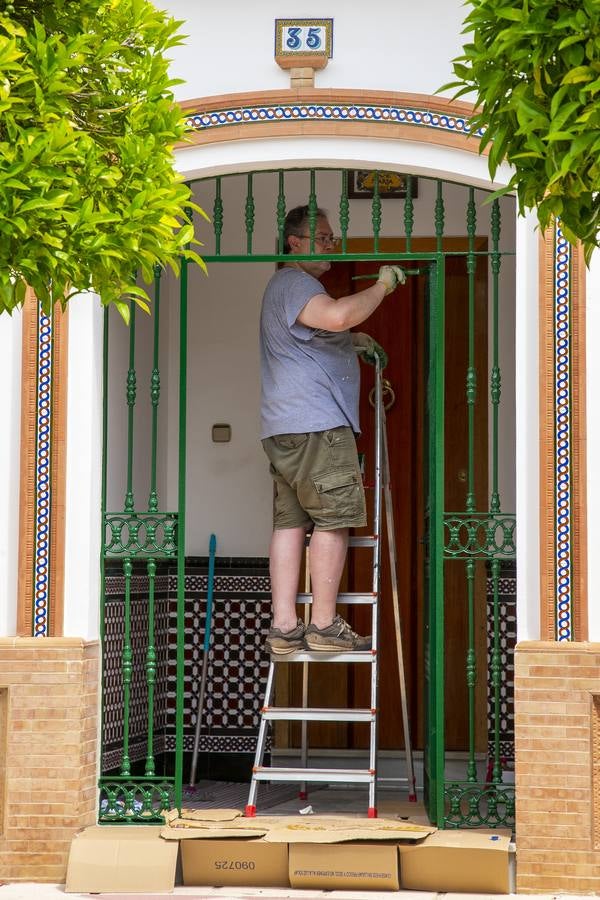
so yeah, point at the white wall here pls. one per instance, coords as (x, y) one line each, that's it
(84, 468)
(10, 434)
(384, 45)
(593, 443)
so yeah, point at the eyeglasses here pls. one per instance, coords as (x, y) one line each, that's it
(324, 240)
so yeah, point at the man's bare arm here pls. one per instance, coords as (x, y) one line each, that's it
(325, 313)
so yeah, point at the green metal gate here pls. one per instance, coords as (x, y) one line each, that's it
(141, 539)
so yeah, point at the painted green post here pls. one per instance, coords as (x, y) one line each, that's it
(131, 393)
(471, 667)
(281, 213)
(218, 215)
(151, 667)
(496, 380)
(435, 625)
(496, 673)
(409, 214)
(344, 210)
(312, 211)
(249, 215)
(126, 667)
(155, 392)
(439, 217)
(376, 212)
(103, 514)
(471, 382)
(181, 506)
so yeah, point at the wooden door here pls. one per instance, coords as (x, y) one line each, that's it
(398, 325)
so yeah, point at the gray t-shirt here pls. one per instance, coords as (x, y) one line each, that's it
(310, 378)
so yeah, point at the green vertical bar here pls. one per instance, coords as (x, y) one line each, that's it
(376, 212)
(130, 393)
(281, 211)
(151, 667)
(439, 216)
(436, 543)
(496, 380)
(496, 673)
(471, 382)
(126, 667)
(102, 520)
(409, 213)
(155, 393)
(249, 214)
(180, 699)
(471, 667)
(312, 211)
(344, 210)
(218, 216)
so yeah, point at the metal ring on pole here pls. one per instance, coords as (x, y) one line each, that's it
(386, 390)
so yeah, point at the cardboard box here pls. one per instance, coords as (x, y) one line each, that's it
(458, 862)
(348, 866)
(127, 858)
(234, 862)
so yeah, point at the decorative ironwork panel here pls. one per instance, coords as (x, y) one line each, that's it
(479, 535)
(141, 535)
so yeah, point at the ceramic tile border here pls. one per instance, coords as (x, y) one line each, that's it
(563, 509)
(43, 472)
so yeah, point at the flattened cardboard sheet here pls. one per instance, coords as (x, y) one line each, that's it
(295, 829)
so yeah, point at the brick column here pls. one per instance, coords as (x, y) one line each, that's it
(557, 725)
(48, 752)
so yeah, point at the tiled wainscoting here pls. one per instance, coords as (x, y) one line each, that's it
(237, 662)
(557, 701)
(49, 717)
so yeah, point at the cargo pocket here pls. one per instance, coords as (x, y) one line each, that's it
(339, 492)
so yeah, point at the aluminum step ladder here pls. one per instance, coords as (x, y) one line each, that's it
(305, 714)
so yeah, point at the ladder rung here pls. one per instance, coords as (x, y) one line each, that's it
(367, 540)
(355, 540)
(276, 773)
(352, 598)
(348, 656)
(294, 714)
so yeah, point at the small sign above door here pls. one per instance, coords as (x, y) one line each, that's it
(302, 37)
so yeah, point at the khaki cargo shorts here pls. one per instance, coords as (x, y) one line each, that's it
(317, 480)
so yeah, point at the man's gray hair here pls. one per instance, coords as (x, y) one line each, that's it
(297, 222)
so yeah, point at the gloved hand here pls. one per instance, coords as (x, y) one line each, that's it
(368, 349)
(391, 277)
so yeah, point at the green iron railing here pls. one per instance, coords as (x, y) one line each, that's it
(135, 538)
(480, 534)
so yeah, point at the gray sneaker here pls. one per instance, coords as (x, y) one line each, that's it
(282, 642)
(336, 637)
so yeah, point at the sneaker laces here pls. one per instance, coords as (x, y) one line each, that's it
(344, 627)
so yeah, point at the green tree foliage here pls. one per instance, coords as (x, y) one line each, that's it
(88, 192)
(534, 66)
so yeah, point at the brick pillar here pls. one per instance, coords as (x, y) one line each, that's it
(49, 723)
(557, 731)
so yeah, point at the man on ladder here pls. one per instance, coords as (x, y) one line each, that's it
(309, 415)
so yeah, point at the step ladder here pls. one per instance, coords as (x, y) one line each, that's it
(304, 714)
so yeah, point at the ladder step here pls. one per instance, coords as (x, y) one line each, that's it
(277, 773)
(352, 598)
(348, 656)
(355, 540)
(365, 540)
(295, 714)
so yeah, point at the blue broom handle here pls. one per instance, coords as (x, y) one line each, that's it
(212, 549)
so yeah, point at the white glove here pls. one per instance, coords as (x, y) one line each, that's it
(390, 277)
